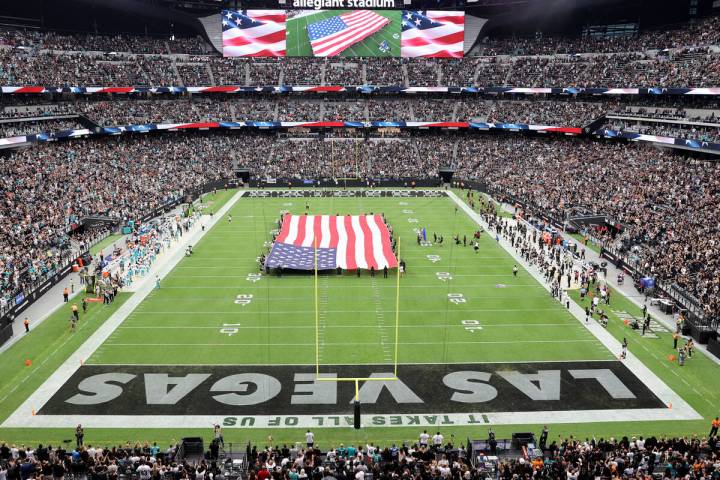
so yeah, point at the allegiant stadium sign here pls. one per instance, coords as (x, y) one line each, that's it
(318, 4)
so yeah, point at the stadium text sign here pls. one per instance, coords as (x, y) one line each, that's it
(285, 395)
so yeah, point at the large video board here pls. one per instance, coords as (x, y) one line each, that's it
(345, 33)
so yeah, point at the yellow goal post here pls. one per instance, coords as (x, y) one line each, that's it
(357, 380)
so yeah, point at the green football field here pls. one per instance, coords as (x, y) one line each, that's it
(455, 307)
(298, 43)
(494, 317)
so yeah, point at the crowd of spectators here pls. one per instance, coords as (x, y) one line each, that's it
(384, 71)
(55, 59)
(82, 42)
(351, 110)
(303, 71)
(387, 110)
(344, 157)
(700, 33)
(422, 72)
(30, 109)
(194, 72)
(13, 129)
(297, 111)
(687, 132)
(433, 110)
(663, 211)
(123, 178)
(679, 69)
(690, 458)
(348, 72)
(561, 112)
(529, 109)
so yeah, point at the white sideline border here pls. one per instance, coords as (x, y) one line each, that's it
(23, 416)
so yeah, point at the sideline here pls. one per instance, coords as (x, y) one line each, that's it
(23, 415)
(680, 408)
(627, 290)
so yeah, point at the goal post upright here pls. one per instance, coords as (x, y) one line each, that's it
(317, 317)
(397, 311)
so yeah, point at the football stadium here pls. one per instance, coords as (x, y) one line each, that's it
(340, 239)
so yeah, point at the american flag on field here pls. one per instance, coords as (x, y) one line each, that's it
(253, 33)
(333, 35)
(349, 242)
(432, 33)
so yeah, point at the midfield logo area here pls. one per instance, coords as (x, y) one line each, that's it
(239, 391)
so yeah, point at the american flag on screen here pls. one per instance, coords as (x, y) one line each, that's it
(349, 242)
(253, 33)
(333, 35)
(432, 33)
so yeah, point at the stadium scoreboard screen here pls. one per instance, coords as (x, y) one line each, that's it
(350, 32)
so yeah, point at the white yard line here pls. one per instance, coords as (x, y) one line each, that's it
(285, 312)
(652, 381)
(358, 327)
(309, 421)
(164, 264)
(384, 364)
(339, 344)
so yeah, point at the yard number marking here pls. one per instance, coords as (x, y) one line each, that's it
(471, 325)
(433, 258)
(412, 220)
(443, 276)
(230, 329)
(243, 299)
(408, 211)
(253, 277)
(456, 298)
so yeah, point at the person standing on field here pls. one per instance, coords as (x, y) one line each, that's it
(79, 435)
(424, 437)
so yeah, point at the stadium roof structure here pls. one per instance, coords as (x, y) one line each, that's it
(508, 17)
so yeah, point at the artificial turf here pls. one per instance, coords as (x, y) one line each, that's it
(197, 301)
(519, 320)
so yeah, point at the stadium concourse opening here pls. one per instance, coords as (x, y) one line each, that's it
(339, 244)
